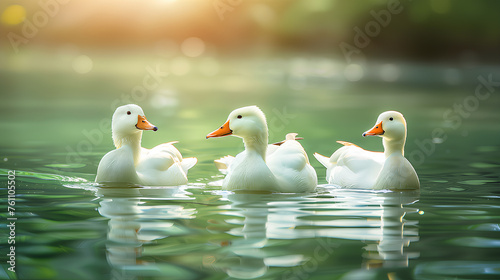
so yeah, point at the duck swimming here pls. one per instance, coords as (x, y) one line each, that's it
(130, 163)
(353, 167)
(283, 168)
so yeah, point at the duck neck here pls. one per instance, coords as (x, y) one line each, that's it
(257, 143)
(133, 141)
(394, 146)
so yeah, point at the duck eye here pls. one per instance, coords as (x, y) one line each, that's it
(128, 112)
(391, 118)
(240, 116)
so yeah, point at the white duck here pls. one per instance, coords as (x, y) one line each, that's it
(354, 167)
(130, 163)
(283, 168)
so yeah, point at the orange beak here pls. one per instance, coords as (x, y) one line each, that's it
(376, 130)
(224, 130)
(144, 124)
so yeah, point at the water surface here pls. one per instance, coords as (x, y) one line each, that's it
(71, 228)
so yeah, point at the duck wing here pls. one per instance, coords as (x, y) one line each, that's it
(170, 152)
(164, 165)
(331, 162)
(353, 167)
(188, 163)
(290, 165)
(223, 163)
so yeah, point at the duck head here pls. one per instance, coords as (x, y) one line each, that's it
(390, 125)
(247, 123)
(128, 121)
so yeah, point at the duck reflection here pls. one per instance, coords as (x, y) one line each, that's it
(396, 232)
(135, 218)
(375, 218)
(253, 208)
(252, 252)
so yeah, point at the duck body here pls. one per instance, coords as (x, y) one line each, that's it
(249, 171)
(397, 173)
(283, 168)
(130, 163)
(117, 166)
(353, 167)
(164, 165)
(290, 165)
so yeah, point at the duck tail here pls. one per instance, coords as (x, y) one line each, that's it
(289, 136)
(187, 163)
(223, 163)
(347, 143)
(325, 161)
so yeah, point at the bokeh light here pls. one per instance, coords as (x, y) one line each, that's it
(180, 66)
(389, 72)
(193, 47)
(82, 64)
(13, 15)
(353, 72)
(262, 14)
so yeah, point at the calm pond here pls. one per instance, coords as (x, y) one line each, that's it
(56, 129)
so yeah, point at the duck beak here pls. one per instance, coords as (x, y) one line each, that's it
(224, 130)
(376, 130)
(144, 124)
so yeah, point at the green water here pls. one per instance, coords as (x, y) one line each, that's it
(70, 228)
